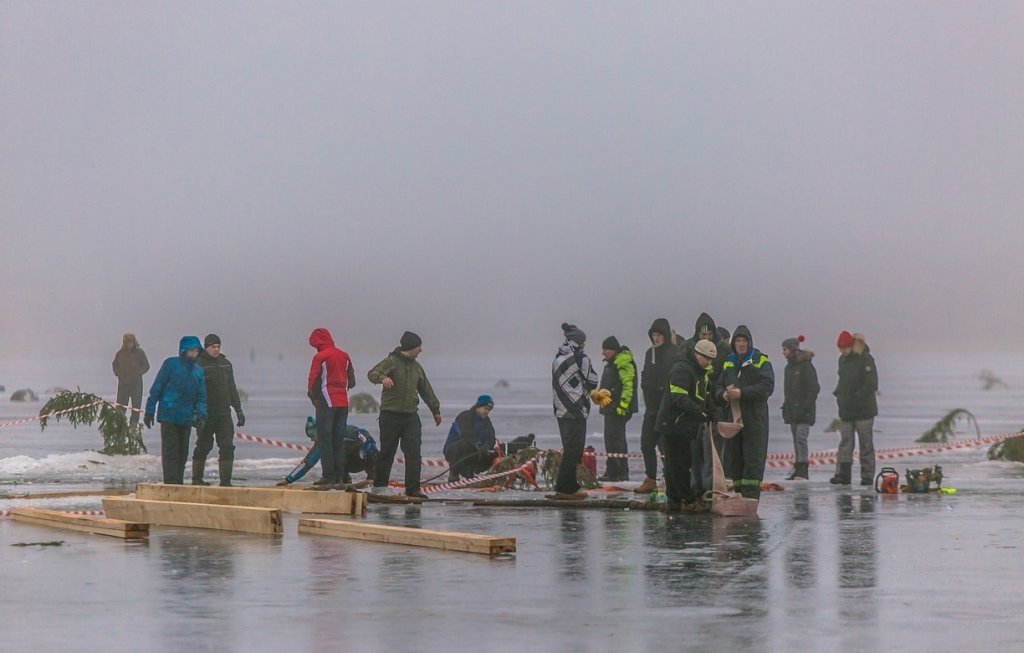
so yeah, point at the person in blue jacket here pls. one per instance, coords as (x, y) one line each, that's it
(180, 391)
(360, 454)
(471, 444)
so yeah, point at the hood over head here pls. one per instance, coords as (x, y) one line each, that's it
(188, 342)
(321, 339)
(574, 334)
(129, 341)
(661, 326)
(703, 323)
(742, 332)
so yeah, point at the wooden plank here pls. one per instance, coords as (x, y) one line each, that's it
(83, 523)
(196, 515)
(283, 498)
(446, 540)
(64, 495)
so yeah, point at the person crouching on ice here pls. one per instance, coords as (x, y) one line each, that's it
(360, 454)
(471, 444)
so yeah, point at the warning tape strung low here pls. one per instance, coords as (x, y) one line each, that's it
(36, 418)
(466, 482)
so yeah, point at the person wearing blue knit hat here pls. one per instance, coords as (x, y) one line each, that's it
(471, 446)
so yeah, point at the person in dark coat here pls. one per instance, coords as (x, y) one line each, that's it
(685, 410)
(747, 376)
(360, 454)
(180, 391)
(130, 363)
(221, 397)
(701, 469)
(855, 396)
(471, 446)
(800, 391)
(658, 361)
(619, 379)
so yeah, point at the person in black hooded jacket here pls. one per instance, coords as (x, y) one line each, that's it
(653, 381)
(701, 468)
(748, 377)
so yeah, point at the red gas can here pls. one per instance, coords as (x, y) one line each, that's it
(590, 460)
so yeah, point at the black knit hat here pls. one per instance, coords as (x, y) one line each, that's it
(211, 339)
(410, 341)
(611, 342)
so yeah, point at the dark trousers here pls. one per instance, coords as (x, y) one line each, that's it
(678, 447)
(174, 451)
(221, 427)
(745, 458)
(616, 469)
(649, 437)
(396, 429)
(330, 435)
(466, 460)
(130, 391)
(574, 438)
(702, 464)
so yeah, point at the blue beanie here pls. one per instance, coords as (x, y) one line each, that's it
(484, 400)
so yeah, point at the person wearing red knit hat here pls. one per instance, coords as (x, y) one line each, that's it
(800, 392)
(855, 396)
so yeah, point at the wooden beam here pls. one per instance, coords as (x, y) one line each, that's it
(283, 498)
(85, 523)
(64, 495)
(447, 540)
(196, 515)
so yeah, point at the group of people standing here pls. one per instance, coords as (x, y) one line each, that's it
(708, 391)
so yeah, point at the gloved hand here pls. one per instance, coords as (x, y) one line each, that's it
(148, 420)
(199, 423)
(241, 419)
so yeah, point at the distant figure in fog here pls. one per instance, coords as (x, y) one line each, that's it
(180, 391)
(855, 396)
(800, 394)
(130, 363)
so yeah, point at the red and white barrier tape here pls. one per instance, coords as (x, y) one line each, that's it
(36, 418)
(466, 482)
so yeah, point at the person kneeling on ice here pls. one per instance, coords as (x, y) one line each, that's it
(471, 445)
(360, 454)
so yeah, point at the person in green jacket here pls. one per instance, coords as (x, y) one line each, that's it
(404, 382)
(619, 378)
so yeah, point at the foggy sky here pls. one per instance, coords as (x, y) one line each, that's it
(481, 172)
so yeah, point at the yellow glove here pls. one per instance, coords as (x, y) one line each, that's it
(602, 397)
(595, 396)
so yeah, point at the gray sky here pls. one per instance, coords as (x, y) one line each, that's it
(482, 172)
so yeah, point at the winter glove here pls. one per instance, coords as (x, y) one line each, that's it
(148, 420)
(199, 423)
(241, 418)
(601, 397)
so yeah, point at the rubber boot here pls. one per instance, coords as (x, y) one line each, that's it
(198, 468)
(225, 472)
(799, 472)
(795, 474)
(842, 476)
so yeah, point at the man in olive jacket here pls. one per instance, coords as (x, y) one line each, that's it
(404, 382)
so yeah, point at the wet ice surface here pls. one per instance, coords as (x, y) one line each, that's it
(823, 568)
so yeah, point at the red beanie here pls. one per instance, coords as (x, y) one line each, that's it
(845, 340)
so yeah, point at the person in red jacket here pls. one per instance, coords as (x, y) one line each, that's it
(330, 376)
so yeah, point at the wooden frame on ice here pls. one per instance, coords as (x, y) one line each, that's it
(196, 515)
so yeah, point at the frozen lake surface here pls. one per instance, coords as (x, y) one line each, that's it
(823, 568)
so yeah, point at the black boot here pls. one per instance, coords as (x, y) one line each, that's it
(198, 468)
(225, 472)
(842, 476)
(800, 473)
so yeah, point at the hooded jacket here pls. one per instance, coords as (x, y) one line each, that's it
(657, 363)
(130, 364)
(800, 389)
(572, 379)
(179, 388)
(858, 383)
(686, 403)
(330, 374)
(706, 323)
(221, 392)
(410, 383)
(619, 378)
(755, 378)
